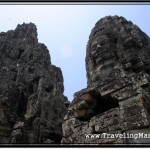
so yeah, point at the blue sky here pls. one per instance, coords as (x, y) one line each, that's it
(65, 29)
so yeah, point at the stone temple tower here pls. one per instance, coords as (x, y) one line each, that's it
(114, 108)
(32, 103)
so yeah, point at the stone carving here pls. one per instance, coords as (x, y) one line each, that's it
(32, 104)
(116, 99)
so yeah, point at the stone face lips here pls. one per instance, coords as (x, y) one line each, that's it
(32, 104)
(116, 100)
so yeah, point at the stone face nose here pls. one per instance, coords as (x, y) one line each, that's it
(99, 46)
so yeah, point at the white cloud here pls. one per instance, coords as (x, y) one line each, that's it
(66, 51)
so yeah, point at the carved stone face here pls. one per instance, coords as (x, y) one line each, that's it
(100, 50)
(102, 54)
(116, 44)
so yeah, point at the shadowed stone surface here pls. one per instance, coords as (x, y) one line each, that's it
(117, 97)
(32, 104)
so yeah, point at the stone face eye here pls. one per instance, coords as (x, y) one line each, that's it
(93, 47)
(102, 29)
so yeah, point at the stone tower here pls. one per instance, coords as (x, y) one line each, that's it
(32, 104)
(117, 98)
